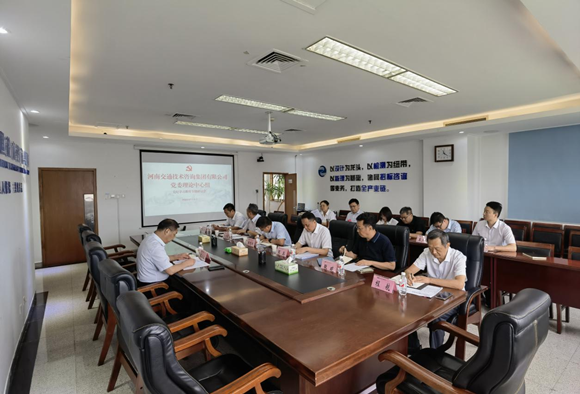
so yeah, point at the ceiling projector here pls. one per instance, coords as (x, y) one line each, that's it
(270, 139)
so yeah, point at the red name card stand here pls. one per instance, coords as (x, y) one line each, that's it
(204, 256)
(384, 284)
(283, 252)
(329, 265)
(251, 242)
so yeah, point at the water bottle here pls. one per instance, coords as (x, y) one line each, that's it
(341, 270)
(257, 240)
(230, 234)
(293, 252)
(403, 284)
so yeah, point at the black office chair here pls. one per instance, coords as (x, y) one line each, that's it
(115, 280)
(574, 253)
(148, 341)
(82, 228)
(278, 217)
(466, 226)
(399, 237)
(262, 213)
(342, 233)
(509, 339)
(552, 236)
(472, 246)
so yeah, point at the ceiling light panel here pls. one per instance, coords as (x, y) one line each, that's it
(355, 57)
(418, 82)
(314, 115)
(252, 103)
(204, 125)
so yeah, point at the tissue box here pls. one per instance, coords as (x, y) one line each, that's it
(286, 267)
(203, 239)
(239, 251)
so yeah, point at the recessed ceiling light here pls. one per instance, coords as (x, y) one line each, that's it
(314, 115)
(461, 132)
(33, 111)
(360, 146)
(355, 57)
(300, 154)
(250, 131)
(45, 137)
(3, 30)
(252, 103)
(418, 82)
(203, 147)
(344, 53)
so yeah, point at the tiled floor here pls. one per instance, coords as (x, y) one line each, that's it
(66, 361)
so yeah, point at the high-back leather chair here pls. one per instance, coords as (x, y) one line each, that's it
(399, 237)
(95, 254)
(549, 235)
(466, 226)
(278, 217)
(509, 338)
(149, 343)
(472, 246)
(82, 228)
(574, 253)
(90, 236)
(262, 213)
(341, 233)
(300, 228)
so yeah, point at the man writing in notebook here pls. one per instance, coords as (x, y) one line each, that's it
(446, 267)
(371, 247)
(315, 235)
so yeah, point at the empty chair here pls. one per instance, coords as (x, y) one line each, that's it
(509, 338)
(556, 226)
(279, 217)
(535, 249)
(522, 230)
(574, 253)
(262, 213)
(466, 226)
(549, 235)
(342, 214)
(147, 341)
(571, 237)
(342, 233)
(472, 246)
(399, 237)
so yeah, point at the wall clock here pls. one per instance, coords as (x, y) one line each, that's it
(443, 153)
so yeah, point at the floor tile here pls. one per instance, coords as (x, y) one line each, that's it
(546, 371)
(569, 382)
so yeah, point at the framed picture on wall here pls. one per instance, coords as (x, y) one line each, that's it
(443, 153)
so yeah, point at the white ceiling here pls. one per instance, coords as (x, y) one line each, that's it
(126, 52)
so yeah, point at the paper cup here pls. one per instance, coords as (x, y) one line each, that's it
(274, 248)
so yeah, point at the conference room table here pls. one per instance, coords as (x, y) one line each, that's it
(325, 334)
(512, 271)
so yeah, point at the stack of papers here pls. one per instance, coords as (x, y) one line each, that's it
(198, 264)
(415, 285)
(427, 291)
(306, 256)
(354, 267)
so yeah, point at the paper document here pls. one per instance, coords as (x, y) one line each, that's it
(346, 259)
(415, 285)
(237, 236)
(306, 256)
(427, 291)
(354, 267)
(198, 264)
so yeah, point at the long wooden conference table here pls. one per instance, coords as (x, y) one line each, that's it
(324, 332)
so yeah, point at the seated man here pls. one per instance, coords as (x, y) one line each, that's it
(354, 210)
(498, 236)
(315, 235)
(273, 232)
(445, 267)
(235, 220)
(415, 224)
(324, 213)
(371, 247)
(440, 222)
(250, 225)
(153, 263)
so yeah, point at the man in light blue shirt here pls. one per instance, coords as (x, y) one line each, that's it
(273, 232)
(440, 222)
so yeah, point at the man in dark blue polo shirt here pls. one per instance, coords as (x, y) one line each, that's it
(371, 247)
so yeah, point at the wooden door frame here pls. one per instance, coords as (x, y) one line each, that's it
(263, 191)
(42, 170)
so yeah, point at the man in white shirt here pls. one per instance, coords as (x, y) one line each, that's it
(273, 232)
(324, 213)
(250, 225)
(446, 267)
(440, 222)
(153, 263)
(315, 235)
(498, 236)
(235, 220)
(354, 210)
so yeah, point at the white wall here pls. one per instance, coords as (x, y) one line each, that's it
(17, 279)
(401, 193)
(117, 165)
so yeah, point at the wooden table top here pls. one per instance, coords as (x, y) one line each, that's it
(327, 336)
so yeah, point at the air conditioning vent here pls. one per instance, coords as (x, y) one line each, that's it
(415, 100)
(292, 130)
(183, 116)
(276, 61)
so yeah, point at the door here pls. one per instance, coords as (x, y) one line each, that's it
(68, 197)
(291, 198)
